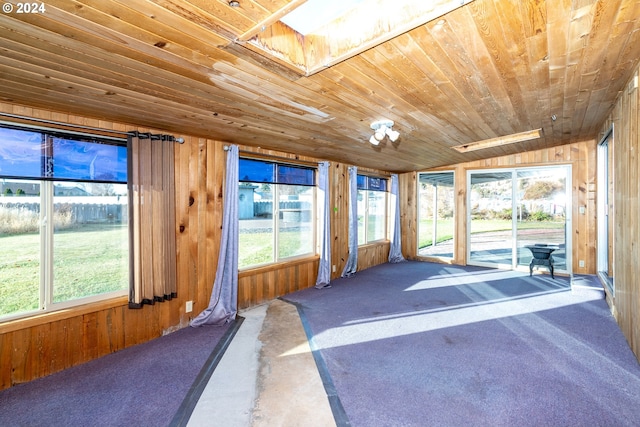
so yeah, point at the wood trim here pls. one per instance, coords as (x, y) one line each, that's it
(56, 316)
(276, 266)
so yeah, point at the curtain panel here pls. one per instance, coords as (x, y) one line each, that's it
(152, 220)
(395, 249)
(223, 303)
(351, 266)
(324, 223)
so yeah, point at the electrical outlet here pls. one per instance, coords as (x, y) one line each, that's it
(581, 263)
(334, 268)
(189, 307)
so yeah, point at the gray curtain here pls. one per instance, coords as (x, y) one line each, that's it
(223, 304)
(324, 222)
(352, 262)
(395, 249)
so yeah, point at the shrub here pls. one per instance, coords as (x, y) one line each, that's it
(17, 220)
(20, 220)
(540, 216)
(505, 214)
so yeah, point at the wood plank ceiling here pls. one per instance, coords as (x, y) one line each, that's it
(486, 69)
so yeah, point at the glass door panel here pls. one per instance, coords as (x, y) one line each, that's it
(541, 213)
(436, 200)
(605, 211)
(491, 218)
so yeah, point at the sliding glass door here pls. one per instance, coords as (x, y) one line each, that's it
(509, 210)
(436, 201)
(490, 227)
(605, 211)
(541, 216)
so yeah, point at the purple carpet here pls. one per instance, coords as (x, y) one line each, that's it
(424, 344)
(151, 384)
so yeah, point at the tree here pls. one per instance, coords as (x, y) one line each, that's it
(543, 190)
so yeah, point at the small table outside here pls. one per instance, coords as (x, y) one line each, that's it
(541, 256)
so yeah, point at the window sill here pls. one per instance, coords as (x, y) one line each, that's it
(250, 271)
(375, 243)
(62, 314)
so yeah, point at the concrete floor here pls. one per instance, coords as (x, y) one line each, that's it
(267, 376)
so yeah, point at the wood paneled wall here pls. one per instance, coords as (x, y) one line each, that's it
(625, 303)
(581, 157)
(44, 344)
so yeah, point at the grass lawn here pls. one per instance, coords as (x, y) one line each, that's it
(88, 261)
(257, 248)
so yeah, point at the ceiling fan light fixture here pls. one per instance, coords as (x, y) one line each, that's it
(234, 3)
(382, 129)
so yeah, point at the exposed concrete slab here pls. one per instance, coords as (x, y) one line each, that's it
(290, 390)
(267, 376)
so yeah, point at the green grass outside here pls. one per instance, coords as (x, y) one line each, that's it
(89, 261)
(257, 248)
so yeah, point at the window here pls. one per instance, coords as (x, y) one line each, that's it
(63, 221)
(372, 209)
(276, 212)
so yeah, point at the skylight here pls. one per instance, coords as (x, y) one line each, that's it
(314, 14)
(310, 36)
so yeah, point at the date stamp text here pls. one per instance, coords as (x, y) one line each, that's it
(23, 8)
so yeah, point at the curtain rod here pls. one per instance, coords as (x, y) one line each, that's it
(66, 126)
(155, 136)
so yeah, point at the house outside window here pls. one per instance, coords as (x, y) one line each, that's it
(372, 209)
(276, 210)
(63, 221)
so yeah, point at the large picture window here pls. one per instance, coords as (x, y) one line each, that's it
(63, 221)
(372, 209)
(276, 212)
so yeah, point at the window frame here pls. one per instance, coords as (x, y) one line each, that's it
(423, 205)
(606, 210)
(47, 182)
(366, 185)
(278, 181)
